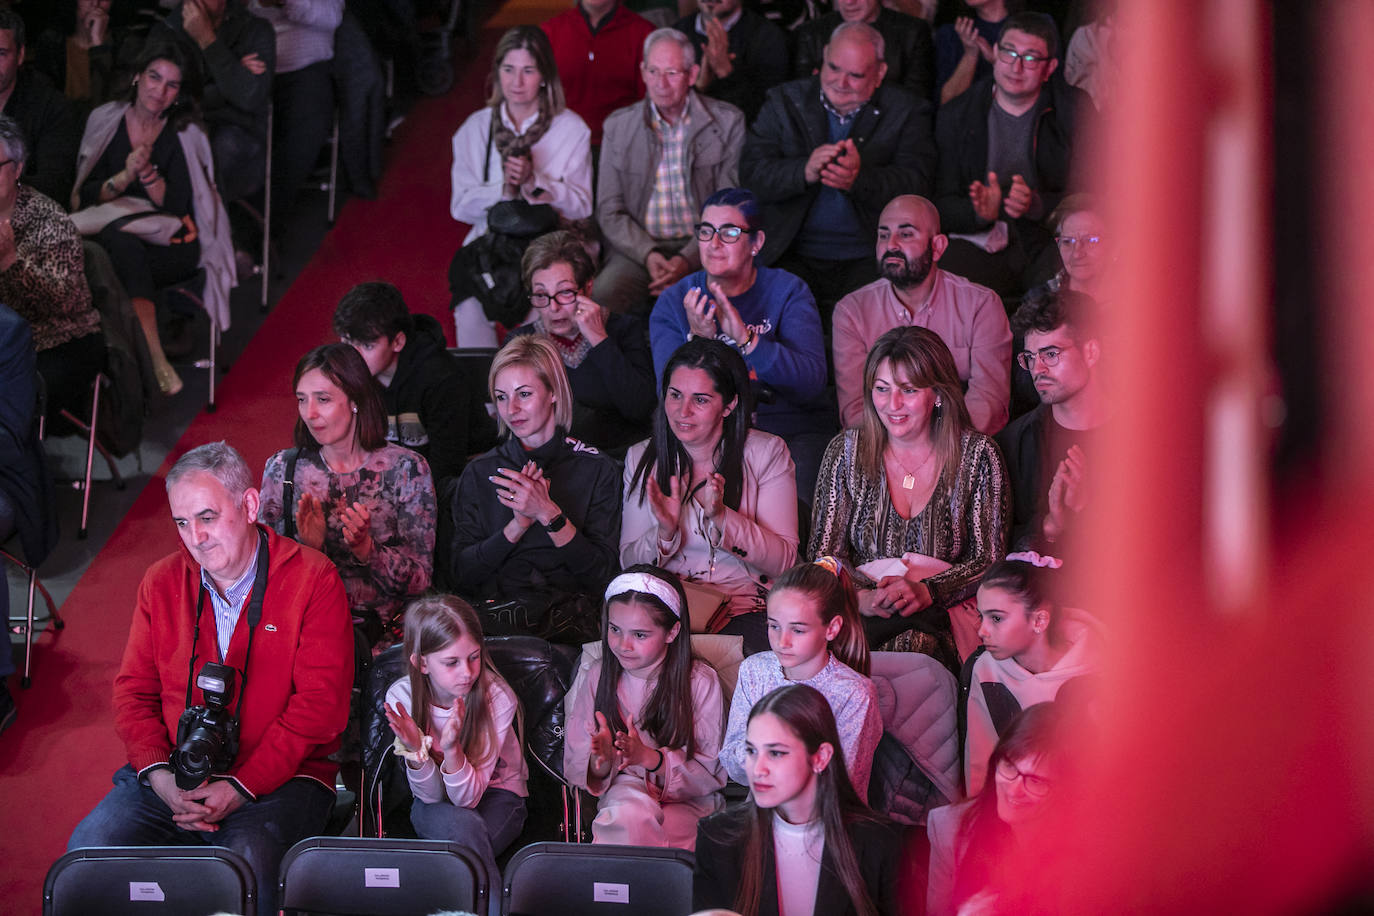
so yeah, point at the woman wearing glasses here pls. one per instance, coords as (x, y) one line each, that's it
(914, 478)
(708, 498)
(768, 316)
(971, 843)
(607, 356)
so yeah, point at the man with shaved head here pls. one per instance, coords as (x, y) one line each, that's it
(913, 291)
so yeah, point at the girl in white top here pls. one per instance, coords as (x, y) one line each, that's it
(817, 640)
(458, 725)
(525, 144)
(644, 718)
(803, 844)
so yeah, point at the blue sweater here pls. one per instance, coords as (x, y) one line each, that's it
(789, 358)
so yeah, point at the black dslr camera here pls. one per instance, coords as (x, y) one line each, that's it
(207, 736)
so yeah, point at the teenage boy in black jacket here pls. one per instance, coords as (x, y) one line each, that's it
(430, 406)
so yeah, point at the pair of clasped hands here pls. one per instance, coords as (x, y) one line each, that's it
(834, 165)
(989, 202)
(447, 751)
(355, 520)
(618, 750)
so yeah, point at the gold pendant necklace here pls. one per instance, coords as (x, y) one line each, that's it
(909, 481)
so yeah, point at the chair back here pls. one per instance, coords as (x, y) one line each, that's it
(578, 879)
(348, 876)
(148, 880)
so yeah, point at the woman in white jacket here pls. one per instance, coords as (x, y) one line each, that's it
(525, 144)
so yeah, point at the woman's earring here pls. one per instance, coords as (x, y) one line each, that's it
(355, 408)
(937, 400)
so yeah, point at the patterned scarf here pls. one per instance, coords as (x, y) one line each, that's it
(573, 350)
(508, 142)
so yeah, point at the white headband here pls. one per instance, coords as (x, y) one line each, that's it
(650, 585)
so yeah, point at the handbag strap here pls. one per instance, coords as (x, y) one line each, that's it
(288, 490)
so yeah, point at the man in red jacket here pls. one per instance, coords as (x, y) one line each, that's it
(274, 612)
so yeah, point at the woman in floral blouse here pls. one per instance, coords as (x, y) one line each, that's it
(368, 505)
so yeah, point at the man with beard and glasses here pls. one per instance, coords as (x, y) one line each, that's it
(913, 291)
(1048, 450)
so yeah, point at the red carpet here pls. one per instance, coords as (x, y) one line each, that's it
(56, 760)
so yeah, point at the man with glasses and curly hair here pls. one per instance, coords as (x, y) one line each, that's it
(1047, 450)
(1006, 159)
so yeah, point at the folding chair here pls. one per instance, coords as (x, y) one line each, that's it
(573, 879)
(192, 289)
(25, 624)
(346, 876)
(149, 880)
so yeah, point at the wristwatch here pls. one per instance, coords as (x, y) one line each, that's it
(557, 524)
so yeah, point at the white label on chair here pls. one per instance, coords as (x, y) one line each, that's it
(603, 892)
(146, 890)
(381, 877)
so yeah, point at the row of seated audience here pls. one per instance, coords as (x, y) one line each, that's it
(912, 508)
(646, 728)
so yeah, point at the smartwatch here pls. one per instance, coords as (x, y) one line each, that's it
(557, 524)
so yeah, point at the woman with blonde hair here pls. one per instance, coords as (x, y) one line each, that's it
(540, 509)
(914, 479)
(524, 145)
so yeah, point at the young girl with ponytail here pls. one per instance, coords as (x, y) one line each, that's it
(817, 640)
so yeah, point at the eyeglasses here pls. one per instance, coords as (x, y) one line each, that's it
(729, 233)
(1035, 786)
(1071, 242)
(562, 297)
(654, 73)
(1049, 356)
(1029, 58)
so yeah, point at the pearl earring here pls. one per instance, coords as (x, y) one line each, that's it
(937, 400)
(355, 408)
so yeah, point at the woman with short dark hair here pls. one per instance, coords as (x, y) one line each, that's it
(369, 506)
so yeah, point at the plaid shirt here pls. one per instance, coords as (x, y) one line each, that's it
(670, 213)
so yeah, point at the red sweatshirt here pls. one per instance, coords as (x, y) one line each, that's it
(298, 679)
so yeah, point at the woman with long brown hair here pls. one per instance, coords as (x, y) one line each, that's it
(803, 843)
(914, 478)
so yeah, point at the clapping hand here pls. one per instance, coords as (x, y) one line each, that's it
(449, 743)
(1068, 492)
(517, 170)
(727, 316)
(525, 492)
(404, 727)
(842, 171)
(357, 533)
(716, 54)
(986, 198)
(1019, 198)
(710, 496)
(632, 749)
(137, 160)
(603, 753)
(701, 314)
(973, 42)
(666, 507)
(310, 521)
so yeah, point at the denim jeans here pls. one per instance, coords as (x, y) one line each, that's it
(485, 830)
(261, 831)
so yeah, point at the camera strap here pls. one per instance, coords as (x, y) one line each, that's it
(254, 616)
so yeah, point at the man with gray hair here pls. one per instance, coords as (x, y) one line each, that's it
(825, 156)
(660, 158)
(244, 626)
